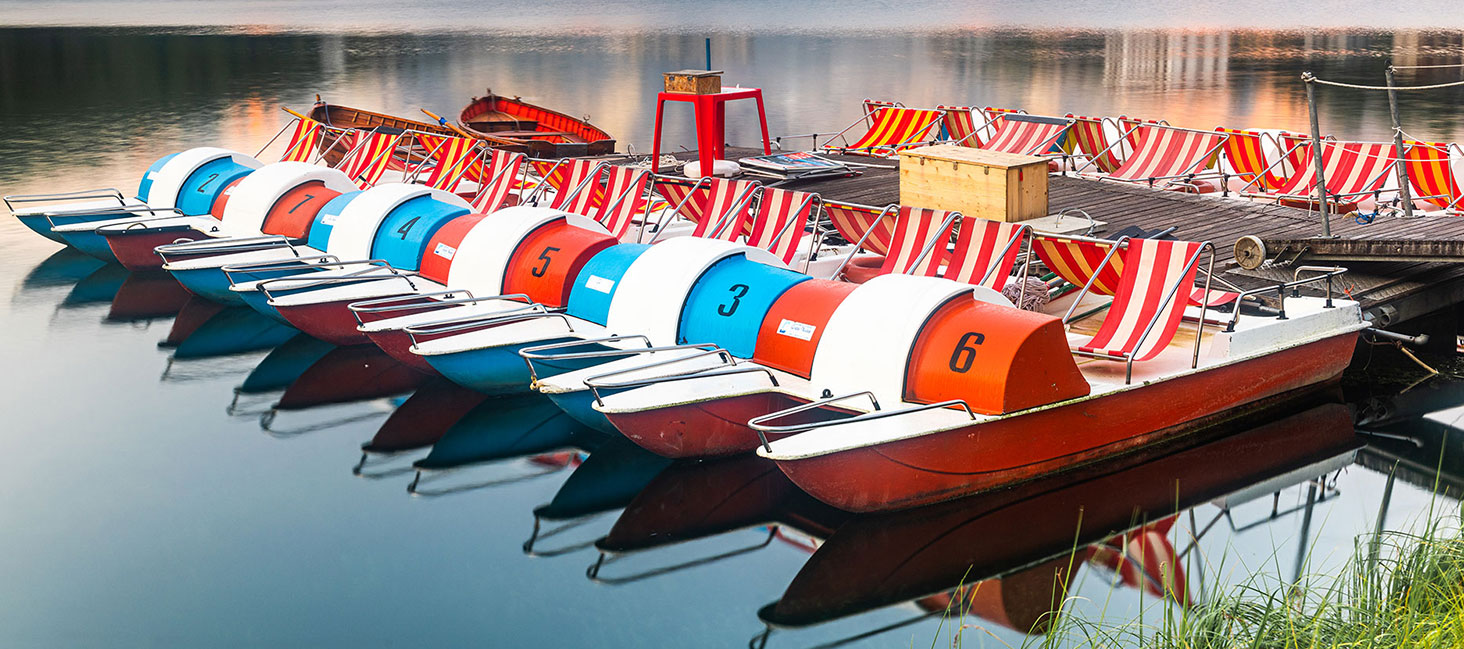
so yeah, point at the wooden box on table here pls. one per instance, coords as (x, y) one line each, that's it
(983, 184)
(694, 82)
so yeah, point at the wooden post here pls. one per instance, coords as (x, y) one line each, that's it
(1405, 194)
(1316, 136)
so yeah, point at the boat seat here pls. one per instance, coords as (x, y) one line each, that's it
(530, 133)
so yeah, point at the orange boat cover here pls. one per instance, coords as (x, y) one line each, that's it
(222, 200)
(791, 329)
(546, 263)
(293, 214)
(997, 359)
(443, 247)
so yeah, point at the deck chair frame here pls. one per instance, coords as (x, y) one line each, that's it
(1023, 239)
(1413, 184)
(814, 203)
(592, 177)
(1189, 173)
(895, 208)
(1375, 181)
(1169, 295)
(1284, 155)
(742, 201)
(610, 206)
(487, 186)
(922, 135)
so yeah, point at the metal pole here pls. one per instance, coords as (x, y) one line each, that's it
(1405, 195)
(1316, 133)
(709, 54)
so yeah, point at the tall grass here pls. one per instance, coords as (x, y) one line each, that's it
(1396, 589)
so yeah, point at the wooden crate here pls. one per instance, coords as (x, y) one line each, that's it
(694, 82)
(984, 184)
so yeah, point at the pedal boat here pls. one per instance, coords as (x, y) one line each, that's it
(180, 188)
(627, 296)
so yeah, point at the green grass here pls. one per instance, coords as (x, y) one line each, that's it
(1396, 589)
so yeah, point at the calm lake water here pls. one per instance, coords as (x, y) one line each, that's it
(178, 476)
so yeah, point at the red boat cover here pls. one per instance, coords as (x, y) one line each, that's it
(545, 263)
(793, 326)
(222, 200)
(996, 359)
(292, 215)
(443, 247)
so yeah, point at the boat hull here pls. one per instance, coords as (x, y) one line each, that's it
(39, 224)
(89, 242)
(398, 345)
(330, 321)
(134, 248)
(710, 428)
(968, 460)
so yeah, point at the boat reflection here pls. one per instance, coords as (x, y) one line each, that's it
(147, 296)
(208, 331)
(498, 429)
(101, 285)
(63, 268)
(1118, 518)
(344, 375)
(419, 422)
(613, 474)
(276, 371)
(1414, 432)
(693, 500)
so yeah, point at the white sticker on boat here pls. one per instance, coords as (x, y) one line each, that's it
(601, 284)
(328, 219)
(794, 329)
(444, 251)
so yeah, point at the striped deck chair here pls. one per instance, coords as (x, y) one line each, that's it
(1145, 313)
(1168, 153)
(451, 159)
(1245, 152)
(1430, 175)
(370, 156)
(872, 105)
(303, 141)
(569, 178)
(1089, 139)
(779, 222)
(862, 223)
(892, 130)
(717, 206)
(496, 180)
(1090, 262)
(986, 251)
(919, 244)
(959, 125)
(625, 196)
(1353, 169)
(1026, 134)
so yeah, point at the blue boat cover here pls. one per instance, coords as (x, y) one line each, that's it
(402, 238)
(205, 184)
(598, 280)
(727, 304)
(144, 187)
(325, 220)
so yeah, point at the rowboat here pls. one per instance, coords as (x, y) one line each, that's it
(546, 133)
(337, 116)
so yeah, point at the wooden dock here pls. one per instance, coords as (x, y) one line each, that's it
(1391, 290)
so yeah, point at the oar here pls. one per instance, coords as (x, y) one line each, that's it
(444, 122)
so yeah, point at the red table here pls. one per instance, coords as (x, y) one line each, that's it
(711, 122)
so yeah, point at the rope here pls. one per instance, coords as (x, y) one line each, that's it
(1309, 78)
(1426, 67)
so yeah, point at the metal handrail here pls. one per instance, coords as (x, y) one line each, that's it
(85, 194)
(1328, 273)
(121, 212)
(685, 376)
(757, 423)
(355, 276)
(369, 306)
(303, 263)
(712, 350)
(527, 308)
(225, 244)
(536, 352)
(488, 321)
(859, 245)
(1121, 242)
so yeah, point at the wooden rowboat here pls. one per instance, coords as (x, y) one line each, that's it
(338, 116)
(547, 133)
